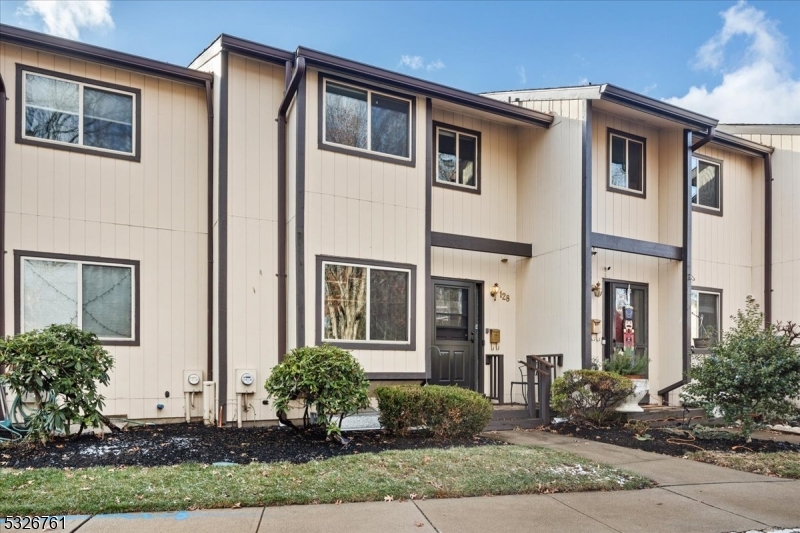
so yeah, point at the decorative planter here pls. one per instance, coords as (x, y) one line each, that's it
(631, 403)
(702, 342)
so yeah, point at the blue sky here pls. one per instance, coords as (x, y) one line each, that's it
(732, 60)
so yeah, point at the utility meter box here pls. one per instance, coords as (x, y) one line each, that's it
(245, 381)
(192, 381)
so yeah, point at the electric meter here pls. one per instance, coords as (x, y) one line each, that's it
(193, 379)
(247, 379)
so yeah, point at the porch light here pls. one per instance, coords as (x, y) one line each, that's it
(494, 290)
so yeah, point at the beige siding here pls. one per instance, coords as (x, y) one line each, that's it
(154, 211)
(785, 221)
(364, 209)
(255, 90)
(548, 307)
(727, 251)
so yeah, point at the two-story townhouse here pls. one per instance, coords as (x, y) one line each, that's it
(425, 228)
(104, 161)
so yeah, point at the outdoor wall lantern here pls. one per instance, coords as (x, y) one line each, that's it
(494, 290)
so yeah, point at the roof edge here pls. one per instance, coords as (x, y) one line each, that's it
(428, 88)
(726, 140)
(59, 45)
(255, 50)
(621, 96)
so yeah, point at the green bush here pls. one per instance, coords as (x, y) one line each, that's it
(751, 375)
(60, 367)
(589, 394)
(324, 377)
(626, 363)
(449, 412)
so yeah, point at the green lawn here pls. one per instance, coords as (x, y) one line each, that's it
(429, 473)
(779, 464)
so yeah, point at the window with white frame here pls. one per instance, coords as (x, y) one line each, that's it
(706, 183)
(65, 112)
(365, 303)
(457, 153)
(626, 171)
(706, 315)
(95, 296)
(366, 120)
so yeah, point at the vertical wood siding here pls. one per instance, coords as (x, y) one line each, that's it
(365, 209)
(154, 211)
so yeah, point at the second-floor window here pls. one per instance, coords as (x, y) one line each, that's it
(366, 120)
(707, 184)
(626, 171)
(69, 113)
(457, 152)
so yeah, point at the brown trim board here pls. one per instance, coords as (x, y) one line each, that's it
(210, 229)
(768, 238)
(635, 246)
(2, 208)
(367, 345)
(222, 228)
(428, 282)
(586, 238)
(57, 45)
(300, 212)
(687, 255)
(19, 254)
(136, 156)
(480, 244)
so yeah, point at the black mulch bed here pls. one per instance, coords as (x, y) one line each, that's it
(171, 444)
(669, 443)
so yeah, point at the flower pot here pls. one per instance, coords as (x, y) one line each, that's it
(701, 342)
(631, 403)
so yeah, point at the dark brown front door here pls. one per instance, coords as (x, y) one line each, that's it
(620, 294)
(454, 360)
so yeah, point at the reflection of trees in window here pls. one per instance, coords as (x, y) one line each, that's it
(366, 120)
(627, 163)
(365, 303)
(705, 183)
(447, 156)
(52, 112)
(456, 156)
(107, 120)
(388, 305)
(346, 116)
(345, 302)
(389, 125)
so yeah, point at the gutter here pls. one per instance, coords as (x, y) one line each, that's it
(705, 139)
(655, 107)
(291, 89)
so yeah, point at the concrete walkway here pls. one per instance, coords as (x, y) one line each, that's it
(691, 497)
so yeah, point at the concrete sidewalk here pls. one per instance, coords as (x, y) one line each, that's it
(691, 497)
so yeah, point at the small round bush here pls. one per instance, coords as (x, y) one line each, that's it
(326, 378)
(589, 395)
(449, 412)
(60, 366)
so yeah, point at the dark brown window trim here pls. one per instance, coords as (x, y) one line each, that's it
(19, 254)
(631, 137)
(435, 171)
(719, 314)
(410, 346)
(20, 103)
(697, 208)
(481, 244)
(376, 156)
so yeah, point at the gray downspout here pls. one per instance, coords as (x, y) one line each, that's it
(767, 239)
(2, 208)
(210, 184)
(291, 88)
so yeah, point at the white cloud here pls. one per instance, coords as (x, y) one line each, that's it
(418, 62)
(650, 88)
(66, 18)
(583, 81)
(757, 87)
(523, 77)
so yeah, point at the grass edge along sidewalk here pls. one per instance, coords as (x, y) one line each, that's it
(390, 475)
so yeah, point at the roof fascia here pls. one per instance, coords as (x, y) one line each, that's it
(426, 88)
(255, 50)
(612, 93)
(58, 45)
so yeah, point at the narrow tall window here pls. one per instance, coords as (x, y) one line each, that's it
(457, 153)
(706, 314)
(75, 113)
(366, 120)
(706, 184)
(96, 297)
(626, 171)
